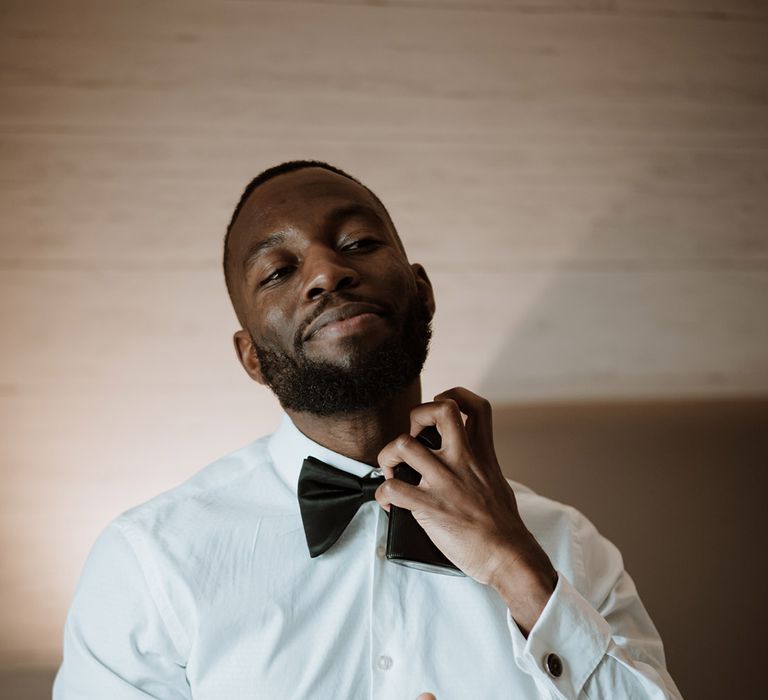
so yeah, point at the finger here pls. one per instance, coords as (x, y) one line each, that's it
(445, 415)
(409, 450)
(479, 415)
(398, 493)
(426, 696)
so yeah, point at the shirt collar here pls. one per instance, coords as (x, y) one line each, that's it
(289, 447)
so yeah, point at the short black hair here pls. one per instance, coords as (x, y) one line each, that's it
(287, 167)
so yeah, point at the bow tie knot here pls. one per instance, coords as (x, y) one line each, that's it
(328, 500)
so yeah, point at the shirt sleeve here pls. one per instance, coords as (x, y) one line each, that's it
(598, 642)
(117, 643)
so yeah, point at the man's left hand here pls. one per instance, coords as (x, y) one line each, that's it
(465, 504)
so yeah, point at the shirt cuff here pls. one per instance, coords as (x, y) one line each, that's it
(565, 645)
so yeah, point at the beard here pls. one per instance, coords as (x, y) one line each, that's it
(368, 378)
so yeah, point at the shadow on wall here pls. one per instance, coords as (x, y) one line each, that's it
(680, 488)
(660, 293)
(31, 683)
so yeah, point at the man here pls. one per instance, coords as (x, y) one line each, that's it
(220, 590)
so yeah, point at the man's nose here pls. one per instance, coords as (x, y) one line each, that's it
(327, 271)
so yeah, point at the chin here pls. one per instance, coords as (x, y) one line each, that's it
(349, 352)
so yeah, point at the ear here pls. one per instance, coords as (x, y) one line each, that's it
(424, 287)
(247, 356)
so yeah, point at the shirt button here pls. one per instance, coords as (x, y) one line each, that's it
(384, 663)
(381, 550)
(554, 665)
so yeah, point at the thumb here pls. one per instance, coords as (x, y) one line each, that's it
(426, 696)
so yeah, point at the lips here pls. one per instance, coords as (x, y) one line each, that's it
(341, 313)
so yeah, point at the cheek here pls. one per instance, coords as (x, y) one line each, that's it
(401, 287)
(274, 317)
(276, 326)
(270, 328)
(390, 273)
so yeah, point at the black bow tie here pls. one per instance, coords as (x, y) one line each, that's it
(329, 499)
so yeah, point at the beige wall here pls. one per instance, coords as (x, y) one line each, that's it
(585, 180)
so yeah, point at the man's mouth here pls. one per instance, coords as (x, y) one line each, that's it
(346, 318)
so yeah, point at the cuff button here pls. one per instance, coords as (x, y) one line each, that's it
(554, 665)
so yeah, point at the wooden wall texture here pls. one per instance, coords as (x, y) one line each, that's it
(585, 180)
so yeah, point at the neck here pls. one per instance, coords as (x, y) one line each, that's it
(362, 435)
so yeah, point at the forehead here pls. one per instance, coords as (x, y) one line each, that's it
(295, 201)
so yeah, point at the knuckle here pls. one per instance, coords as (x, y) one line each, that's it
(386, 490)
(447, 407)
(404, 441)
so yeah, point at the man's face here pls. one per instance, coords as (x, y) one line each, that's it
(337, 317)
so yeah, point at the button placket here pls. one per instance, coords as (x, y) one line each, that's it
(385, 631)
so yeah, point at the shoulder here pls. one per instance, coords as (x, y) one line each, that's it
(167, 538)
(545, 515)
(240, 480)
(149, 561)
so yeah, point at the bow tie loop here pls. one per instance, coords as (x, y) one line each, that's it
(370, 484)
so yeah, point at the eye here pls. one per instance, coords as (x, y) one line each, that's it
(360, 244)
(276, 275)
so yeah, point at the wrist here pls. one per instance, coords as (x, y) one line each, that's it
(525, 581)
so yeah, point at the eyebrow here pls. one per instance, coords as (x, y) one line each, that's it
(338, 216)
(334, 218)
(271, 241)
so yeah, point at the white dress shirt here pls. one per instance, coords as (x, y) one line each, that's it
(208, 592)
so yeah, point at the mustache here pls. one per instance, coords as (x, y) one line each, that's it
(331, 300)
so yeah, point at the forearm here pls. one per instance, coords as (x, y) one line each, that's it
(525, 581)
